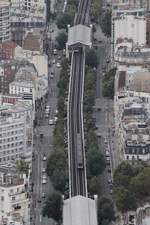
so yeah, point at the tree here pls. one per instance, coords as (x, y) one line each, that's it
(125, 200)
(53, 206)
(59, 179)
(106, 211)
(106, 24)
(22, 166)
(95, 162)
(63, 21)
(93, 185)
(56, 161)
(61, 40)
(108, 84)
(96, 6)
(91, 58)
(140, 184)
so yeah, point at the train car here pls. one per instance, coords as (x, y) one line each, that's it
(79, 152)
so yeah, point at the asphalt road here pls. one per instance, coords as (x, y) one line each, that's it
(103, 113)
(43, 146)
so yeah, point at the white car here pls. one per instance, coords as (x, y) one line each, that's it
(58, 65)
(50, 122)
(44, 158)
(51, 76)
(43, 195)
(44, 177)
(44, 181)
(43, 170)
(55, 119)
(48, 107)
(54, 61)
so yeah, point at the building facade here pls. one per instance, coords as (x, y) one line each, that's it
(4, 21)
(14, 197)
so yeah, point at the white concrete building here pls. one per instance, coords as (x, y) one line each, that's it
(16, 132)
(132, 102)
(14, 197)
(4, 20)
(27, 15)
(129, 27)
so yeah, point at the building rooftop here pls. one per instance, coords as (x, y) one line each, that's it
(79, 34)
(32, 42)
(79, 211)
(4, 3)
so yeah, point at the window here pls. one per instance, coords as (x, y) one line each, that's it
(13, 198)
(2, 198)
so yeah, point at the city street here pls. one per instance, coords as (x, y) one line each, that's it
(103, 113)
(43, 147)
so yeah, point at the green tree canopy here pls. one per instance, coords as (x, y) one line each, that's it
(125, 200)
(91, 58)
(53, 206)
(106, 24)
(93, 185)
(61, 40)
(95, 162)
(63, 21)
(56, 161)
(131, 185)
(108, 84)
(106, 211)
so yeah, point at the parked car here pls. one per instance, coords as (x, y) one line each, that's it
(43, 170)
(51, 122)
(44, 181)
(58, 65)
(44, 158)
(54, 61)
(43, 195)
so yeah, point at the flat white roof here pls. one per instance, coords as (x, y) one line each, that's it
(79, 34)
(79, 210)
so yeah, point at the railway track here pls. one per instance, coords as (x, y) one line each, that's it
(76, 151)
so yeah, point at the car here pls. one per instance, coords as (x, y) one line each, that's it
(109, 170)
(44, 158)
(108, 162)
(109, 181)
(99, 109)
(44, 176)
(51, 30)
(47, 107)
(107, 154)
(43, 170)
(43, 195)
(47, 110)
(54, 61)
(46, 115)
(55, 119)
(58, 65)
(51, 122)
(51, 76)
(64, 51)
(55, 51)
(44, 181)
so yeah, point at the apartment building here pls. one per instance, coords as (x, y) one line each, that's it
(5, 20)
(131, 4)
(31, 14)
(129, 27)
(132, 102)
(16, 132)
(14, 197)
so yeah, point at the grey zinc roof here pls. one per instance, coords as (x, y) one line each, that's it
(79, 211)
(79, 34)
